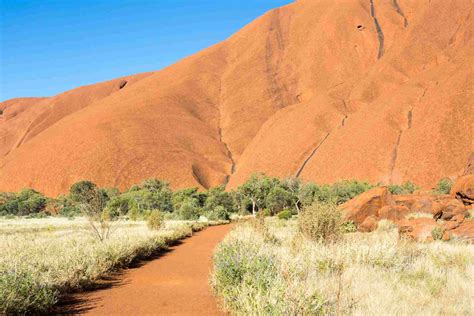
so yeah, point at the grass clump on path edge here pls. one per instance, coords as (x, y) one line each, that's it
(362, 274)
(37, 269)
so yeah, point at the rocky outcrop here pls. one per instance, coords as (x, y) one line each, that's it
(464, 231)
(367, 204)
(418, 203)
(449, 209)
(463, 189)
(417, 216)
(393, 212)
(419, 229)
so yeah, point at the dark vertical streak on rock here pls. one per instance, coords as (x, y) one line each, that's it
(400, 12)
(219, 129)
(409, 125)
(410, 118)
(395, 154)
(380, 35)
(300, 170)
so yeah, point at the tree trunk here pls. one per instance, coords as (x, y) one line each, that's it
(297, 207)
(253, 208)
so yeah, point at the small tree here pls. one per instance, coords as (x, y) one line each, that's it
(294, 185)
(218, 197)
(155, 220)
(92, 202)
(30, 202)
(256, 190)
(279, 198)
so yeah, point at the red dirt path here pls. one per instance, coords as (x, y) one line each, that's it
(174, 284)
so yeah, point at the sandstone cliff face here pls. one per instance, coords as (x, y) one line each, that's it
(323, 90)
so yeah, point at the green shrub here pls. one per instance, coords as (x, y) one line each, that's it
(218, 213)
(133, 213)
(23, 292)
(251, 281)
(216, 197)
(343, 191)
(155, 220)
(437, 233)
(337, 193)
(188, 211)
(285, 215)
(321, 222)
(444, 186)
(349, 227)
(25, 202)
(406, 188)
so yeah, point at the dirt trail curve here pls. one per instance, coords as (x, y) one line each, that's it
(174, 284)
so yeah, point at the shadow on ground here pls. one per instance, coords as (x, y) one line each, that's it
(80, 302)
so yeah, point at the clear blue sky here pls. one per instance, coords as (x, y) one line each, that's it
(50, 46)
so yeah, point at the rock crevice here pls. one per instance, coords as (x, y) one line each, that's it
(378, 28)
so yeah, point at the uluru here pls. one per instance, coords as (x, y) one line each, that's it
(321, 90)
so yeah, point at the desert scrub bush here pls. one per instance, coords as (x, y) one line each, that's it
(349, 227)
(155, 220)
(250, 280)
(437, 233)
(443, 186)
(321, 222)
(363, 274)
(42, 259)
(285, 215)
(405, 188)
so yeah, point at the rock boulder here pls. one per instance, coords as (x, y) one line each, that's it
(367, 204)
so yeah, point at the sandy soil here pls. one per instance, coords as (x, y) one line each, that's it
(176, 283)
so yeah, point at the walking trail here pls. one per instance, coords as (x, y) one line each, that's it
(174, 284)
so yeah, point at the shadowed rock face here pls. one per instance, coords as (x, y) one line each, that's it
(303, 90)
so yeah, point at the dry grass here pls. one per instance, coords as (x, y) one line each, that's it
(44, 258)
(362, 274)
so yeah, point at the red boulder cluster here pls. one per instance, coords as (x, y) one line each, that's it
(421, 216)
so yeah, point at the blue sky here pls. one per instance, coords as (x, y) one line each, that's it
(47, 47)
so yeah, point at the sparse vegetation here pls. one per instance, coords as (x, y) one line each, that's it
(321, 222)
(437, 233)
(444, 186)
(155, 220)
(405, 188)
(33, 279)
(361, 274)
(44, 258)
(285, 214)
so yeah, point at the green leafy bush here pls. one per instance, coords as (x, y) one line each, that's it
(321, 222)
(188, 211)
(349, 227)
(406, 188)
(444, 186)
(25, 202)
(285, 215)
(218, 213)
